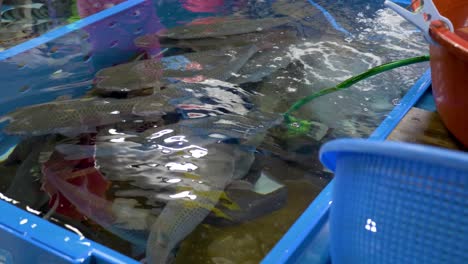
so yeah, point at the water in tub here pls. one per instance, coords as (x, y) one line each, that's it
(182, 155)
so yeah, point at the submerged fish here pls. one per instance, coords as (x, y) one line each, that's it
(234, 25)
(132, 76)
(222, 164)
(72, 117)
(254, 199)
(217, 64)
(264, 63)
(25, 186)
(229, 26)
(188, 164)
(260, 39)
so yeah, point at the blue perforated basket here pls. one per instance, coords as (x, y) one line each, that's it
(397, 203)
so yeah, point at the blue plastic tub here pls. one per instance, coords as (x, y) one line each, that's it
(24, 237)
(397, 202)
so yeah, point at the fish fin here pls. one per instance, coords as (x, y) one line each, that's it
(228, 203)
(5, 118)
(317, 130)
(138, 57)
(219, 213)
(240, 185)
(266, 184)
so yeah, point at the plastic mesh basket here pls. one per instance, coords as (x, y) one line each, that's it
(397, 203)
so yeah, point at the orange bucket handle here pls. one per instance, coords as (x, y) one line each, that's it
(448, 39)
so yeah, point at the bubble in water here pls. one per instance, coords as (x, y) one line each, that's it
(295, 124)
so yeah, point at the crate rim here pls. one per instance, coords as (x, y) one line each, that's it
(331, 152)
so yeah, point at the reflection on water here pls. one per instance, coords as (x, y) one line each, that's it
(183, 150)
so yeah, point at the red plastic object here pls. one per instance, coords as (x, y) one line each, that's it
(202, 6)
(449, 67)
(81, 173)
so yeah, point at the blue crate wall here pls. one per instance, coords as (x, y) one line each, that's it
(63, 62)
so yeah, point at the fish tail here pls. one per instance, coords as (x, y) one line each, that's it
(175, 222)
(219, 213)
(228, 202)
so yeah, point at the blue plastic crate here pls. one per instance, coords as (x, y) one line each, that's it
(30, 71)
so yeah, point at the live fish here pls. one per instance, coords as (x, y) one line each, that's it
(216, 170)
(227, 27)
(192, 164)
(234, 25)
(260, 39)
(263, 64)
(25, 187)
(152, 74)
(72, 117)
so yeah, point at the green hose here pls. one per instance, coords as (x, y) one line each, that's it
(296, 126)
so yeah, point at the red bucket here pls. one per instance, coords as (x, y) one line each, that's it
(449, 67)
